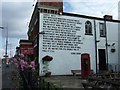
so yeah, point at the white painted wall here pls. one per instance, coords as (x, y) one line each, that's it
(112, 37)
(119, 33)
(63, 61)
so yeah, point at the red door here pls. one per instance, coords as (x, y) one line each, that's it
(85, 65)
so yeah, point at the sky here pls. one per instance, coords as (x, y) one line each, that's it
(15, 16)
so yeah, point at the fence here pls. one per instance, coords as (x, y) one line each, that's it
(112, 67)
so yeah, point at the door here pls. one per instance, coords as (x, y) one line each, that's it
(102, 59)
(85, 65)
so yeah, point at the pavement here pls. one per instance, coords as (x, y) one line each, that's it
(0, 76)
(7, 76)
(66, 82)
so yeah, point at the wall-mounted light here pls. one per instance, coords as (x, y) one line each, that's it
(2, 27)
(107, 44)
(60, 13)
(113, 44)
(113, 47)
(97, 41)
(42, 32)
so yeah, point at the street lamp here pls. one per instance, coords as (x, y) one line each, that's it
(6, 42)
(2, 27)
(10, 49)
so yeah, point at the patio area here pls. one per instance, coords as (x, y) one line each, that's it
(65, 82)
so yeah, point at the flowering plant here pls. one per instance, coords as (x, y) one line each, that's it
(33, 65)
(46, 61)
(21, 55)
(24, 64)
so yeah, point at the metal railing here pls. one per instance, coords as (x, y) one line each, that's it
(112, 67)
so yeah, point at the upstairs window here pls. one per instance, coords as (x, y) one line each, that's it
(88, 28)
(45, 10)
(102, 29)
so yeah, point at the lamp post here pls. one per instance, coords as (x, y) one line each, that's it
(10, 50)
(6, 41)
(1, 28)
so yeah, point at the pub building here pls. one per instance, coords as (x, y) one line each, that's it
(66, 41)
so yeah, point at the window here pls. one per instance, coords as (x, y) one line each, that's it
(102, 29)
(41, 10)
(45, 10)
(52, 11)
(56, 12)
(49, 11)
(88, 28)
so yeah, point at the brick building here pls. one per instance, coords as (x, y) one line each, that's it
(66, 37)
(41, 7)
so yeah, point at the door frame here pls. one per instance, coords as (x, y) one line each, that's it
(102, 59)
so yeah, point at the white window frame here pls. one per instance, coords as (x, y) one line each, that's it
(88, 28)
(102, 29)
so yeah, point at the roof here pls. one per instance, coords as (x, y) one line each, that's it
(89, 17)
(25, 42)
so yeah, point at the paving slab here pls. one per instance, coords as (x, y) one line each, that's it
(66, 82)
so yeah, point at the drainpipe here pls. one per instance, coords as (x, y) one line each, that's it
(106, 17)
(95, 45)
(106, 44)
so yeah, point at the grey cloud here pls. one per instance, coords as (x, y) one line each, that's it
(15, 16)
(95, 8)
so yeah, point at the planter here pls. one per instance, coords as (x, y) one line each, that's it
(112, 50)
(47, 58)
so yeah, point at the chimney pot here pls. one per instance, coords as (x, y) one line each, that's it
(108, 17)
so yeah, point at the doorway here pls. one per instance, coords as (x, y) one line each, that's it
(102, 59)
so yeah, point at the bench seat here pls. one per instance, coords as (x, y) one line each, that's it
(76, 72)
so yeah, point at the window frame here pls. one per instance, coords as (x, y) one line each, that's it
(102, 31)
(88, 28)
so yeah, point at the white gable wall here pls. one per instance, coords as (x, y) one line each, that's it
(112, 37)
(119, 34)
(66, 60)
(112, 28)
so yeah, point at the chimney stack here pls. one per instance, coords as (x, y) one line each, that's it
(108, 17)
(52, 3)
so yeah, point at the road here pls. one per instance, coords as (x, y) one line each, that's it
(7, 76)
(0, 77)
(0, 73)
